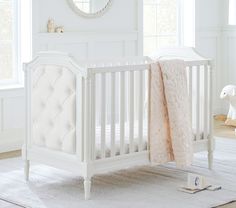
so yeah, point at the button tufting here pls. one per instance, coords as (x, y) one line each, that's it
(69, 126)
(43, 138)
(60, 72)
(51, 88)
(69, 91)
(51, 123)
(43, 71)
(43, 104)
(54, 105)
(60, 108)
(59, 142)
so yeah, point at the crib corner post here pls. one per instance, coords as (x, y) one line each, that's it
(27, 140)
(210, 160)
(79, 117)
(87, 189)
(87, 119)
(87, 156)
(87, 179)
(211, 145)
(87, 169)
(26, 169)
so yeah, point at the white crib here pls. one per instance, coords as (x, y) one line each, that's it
(91, 118)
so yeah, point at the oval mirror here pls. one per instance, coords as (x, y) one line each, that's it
(90, 8)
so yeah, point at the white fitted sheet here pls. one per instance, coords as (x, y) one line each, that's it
(126, 138)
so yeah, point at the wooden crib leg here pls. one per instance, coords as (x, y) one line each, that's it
(210, 159)
(87, 187)
(211, 147)
(27, 166)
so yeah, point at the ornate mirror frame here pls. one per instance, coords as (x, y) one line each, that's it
(87, 15)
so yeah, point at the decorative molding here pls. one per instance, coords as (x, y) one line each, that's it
(11, 140)
(85, 42)
(213, 35)
(12, 92)
(1, 115)
(86, 36)
(140, 27)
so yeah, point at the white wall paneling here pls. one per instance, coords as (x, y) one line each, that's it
(118, 33)
(208, 43)
(209, 19)
(220, 45)
(11, 119)
(228, 56)
(89, 45)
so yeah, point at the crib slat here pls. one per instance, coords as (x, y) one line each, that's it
(93, 115)
(210, 139)
(103, 114)
(140, 112)
(206, 88)
(87, 112)
(113, 107)
(79, 116)
(190, 88)
(198, 103)
(122, 111)
(131, 111)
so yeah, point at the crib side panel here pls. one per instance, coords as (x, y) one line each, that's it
(199, 79)
(54, 90)
(119, 111)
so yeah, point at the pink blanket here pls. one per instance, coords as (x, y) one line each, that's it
(170, 130)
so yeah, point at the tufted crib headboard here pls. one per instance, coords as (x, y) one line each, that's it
(52, 100)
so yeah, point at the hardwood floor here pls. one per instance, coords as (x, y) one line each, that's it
(222, 130)
(54, 188)
(10, 154)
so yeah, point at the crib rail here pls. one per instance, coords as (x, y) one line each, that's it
(199, 88)
(119, 104)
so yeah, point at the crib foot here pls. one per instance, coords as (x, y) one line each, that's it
(87, 188)
(27, 166)
(210, 160)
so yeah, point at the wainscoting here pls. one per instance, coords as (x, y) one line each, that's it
(89, 45)
(12, 115)
(209, 44)
(229, 57)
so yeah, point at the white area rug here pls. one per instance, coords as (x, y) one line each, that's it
(139, 187)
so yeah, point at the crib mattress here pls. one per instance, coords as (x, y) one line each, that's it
(126, 139)
(117, 139)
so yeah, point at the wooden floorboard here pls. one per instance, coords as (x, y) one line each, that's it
(11, 154)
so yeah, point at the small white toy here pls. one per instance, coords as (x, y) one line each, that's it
(196, 181)
(60, 29)
(229, 93)
(51, 26)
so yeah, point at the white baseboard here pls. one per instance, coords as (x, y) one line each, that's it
(11, 140)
